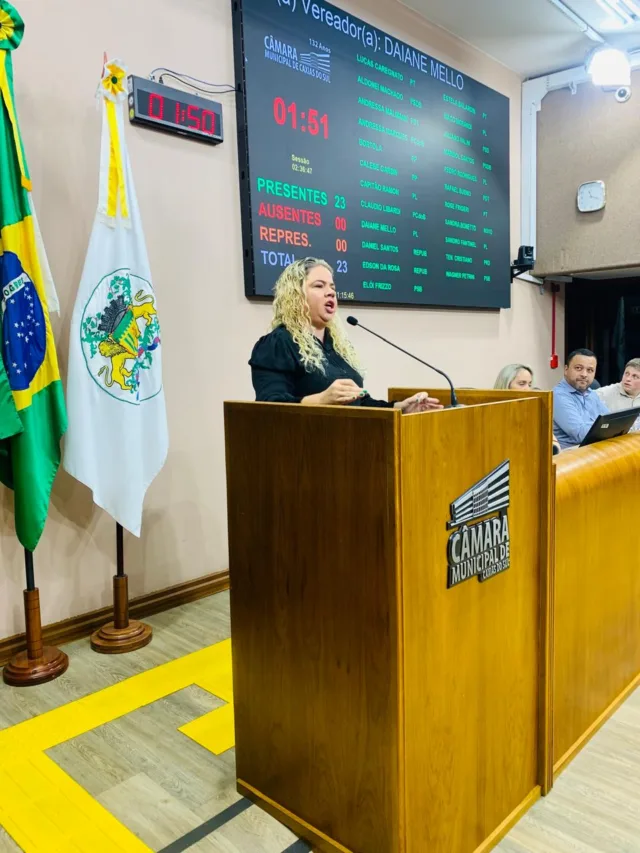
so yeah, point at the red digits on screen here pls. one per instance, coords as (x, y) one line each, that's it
(192, 115)
(156, 106)
(279, 111)
(291, 109)
(208, 116)
(313, 123)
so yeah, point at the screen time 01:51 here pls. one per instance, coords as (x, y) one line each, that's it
(308, 121)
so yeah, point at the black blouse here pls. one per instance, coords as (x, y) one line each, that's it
(279, 376)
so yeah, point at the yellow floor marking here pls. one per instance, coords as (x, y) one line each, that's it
(220, 682)
(214, 731)
(44, 810)
(50, 811)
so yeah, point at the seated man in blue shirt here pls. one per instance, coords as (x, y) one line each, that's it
(575, 406)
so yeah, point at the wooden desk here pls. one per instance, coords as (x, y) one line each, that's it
(597, 589)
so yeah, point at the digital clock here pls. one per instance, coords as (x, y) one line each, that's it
(165, 108)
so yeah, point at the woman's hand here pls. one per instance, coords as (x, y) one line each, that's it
(339, 393)
(420, 402)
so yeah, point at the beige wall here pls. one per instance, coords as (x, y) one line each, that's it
(586, 137)
(188, 196)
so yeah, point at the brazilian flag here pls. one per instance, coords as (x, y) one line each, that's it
(29, 459)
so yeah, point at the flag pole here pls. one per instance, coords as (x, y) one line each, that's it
(39, 663)
(123, 634)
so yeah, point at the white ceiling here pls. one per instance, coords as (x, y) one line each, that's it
(532, 37)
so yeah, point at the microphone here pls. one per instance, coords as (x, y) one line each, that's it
(353, 321)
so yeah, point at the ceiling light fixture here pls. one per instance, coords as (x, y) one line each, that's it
(615, 14)
(624, 12)
(632, 6)
(609, 67)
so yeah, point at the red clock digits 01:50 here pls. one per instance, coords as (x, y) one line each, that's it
(178, 113)
(308, 121)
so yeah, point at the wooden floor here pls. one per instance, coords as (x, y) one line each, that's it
(594, 806)
(163, 785)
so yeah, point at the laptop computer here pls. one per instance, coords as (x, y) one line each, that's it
(610, 426)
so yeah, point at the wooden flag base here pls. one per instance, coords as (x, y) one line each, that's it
(122, 635)
(39, 663)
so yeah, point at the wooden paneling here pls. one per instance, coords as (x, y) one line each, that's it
(479, 396)
(470, 396)
(377, 711)
(597, 588)
(314, 612)
(471, 653)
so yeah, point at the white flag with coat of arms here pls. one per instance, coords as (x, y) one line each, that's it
(117, 438)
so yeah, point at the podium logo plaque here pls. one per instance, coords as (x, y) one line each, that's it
(480, 546)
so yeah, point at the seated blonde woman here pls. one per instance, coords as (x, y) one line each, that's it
(519, 377)
(515, 377)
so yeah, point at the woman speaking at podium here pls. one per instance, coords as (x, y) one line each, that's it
(307, 358)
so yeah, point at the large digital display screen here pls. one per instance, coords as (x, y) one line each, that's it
(365, 151)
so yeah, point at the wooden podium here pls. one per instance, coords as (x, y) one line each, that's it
(387, 698)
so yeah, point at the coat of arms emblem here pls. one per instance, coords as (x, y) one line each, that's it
(120, 333)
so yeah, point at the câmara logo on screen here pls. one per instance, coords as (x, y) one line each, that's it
(312, 63)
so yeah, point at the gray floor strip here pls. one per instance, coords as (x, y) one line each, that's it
(209, 826)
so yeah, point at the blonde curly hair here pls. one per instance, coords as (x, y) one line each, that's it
(290, 309)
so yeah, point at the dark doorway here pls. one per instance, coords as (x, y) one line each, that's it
(604, 315)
